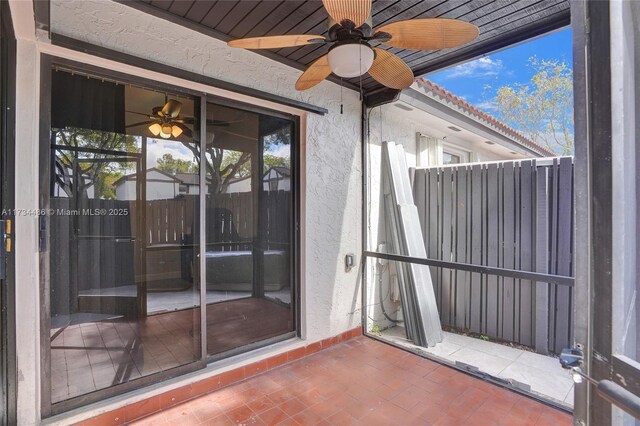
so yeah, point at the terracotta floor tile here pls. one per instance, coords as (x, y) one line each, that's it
(409, 397)
(361, 408)
(310, 397)
(551, 417)
(326, 408)
(342, 418)
(280, 396)
(374, 419)
(261, 405)
(362, 382)
(307, 417)
(292, 406)
(242, 415)
(273, 416)
(288, 422)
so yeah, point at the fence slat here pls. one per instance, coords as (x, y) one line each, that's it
(420, 198)
(461, 284)
(492, 248)
(542, 260)
(526, 254)
(447, 199)
(476, 247)
(563, 293)
(552, 268)
(508, 244)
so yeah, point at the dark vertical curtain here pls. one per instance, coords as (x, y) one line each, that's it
(86, 103)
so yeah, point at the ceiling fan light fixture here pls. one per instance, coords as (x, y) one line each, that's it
(350, 60)
(176, 131)
(165, 133)
(155, 129)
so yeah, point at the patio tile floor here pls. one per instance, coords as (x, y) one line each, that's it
(361, 381)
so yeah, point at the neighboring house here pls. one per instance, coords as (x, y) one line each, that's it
(159, 186)
(277, 179)
(239, 184)
(189, 183)
(450, 130)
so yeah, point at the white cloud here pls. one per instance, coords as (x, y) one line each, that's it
(279, 150)
(483, 67)
(157, 148)
(488, 105)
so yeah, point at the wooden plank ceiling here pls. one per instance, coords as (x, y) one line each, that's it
(501, 23)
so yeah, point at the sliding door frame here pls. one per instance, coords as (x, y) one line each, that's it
(47, 64)
(8, 411)
(294, 260)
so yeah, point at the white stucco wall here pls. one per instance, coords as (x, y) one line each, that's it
(330, 159)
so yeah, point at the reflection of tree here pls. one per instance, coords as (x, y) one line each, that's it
(99, 174)
(169, 164)
(270, 160)
(224, 165)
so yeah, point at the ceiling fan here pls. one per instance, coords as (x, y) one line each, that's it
(165, 121)
(351, 34)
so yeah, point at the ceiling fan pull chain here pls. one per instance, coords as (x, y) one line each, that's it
(341, 103)
(360, 50)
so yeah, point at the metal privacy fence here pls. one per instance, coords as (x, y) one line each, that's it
(514, 215)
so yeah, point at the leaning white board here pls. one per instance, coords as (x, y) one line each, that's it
(422, 320)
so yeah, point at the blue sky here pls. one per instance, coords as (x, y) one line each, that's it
(477, 81)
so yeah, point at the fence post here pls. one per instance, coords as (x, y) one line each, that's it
(542, 261)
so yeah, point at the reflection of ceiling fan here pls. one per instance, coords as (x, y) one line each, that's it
(351, 35)
(165, 121)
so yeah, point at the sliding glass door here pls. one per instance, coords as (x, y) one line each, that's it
(133, 242)
(249, 208)
(124, 303)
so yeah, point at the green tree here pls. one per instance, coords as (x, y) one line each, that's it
(168, 164)
(95, 166)
(224, 165)
(543, 108)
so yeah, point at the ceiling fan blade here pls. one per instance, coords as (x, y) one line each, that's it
(146, 114)
(138, 124)
(277, 42)
(429, 33)
(172, 108)
(391, 71)
(356, 11)
(317, 71)
(191, 120)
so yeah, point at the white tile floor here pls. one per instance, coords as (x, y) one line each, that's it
(543, 373)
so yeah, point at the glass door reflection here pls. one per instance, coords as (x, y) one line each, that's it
(124, 300)
(249, 220)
